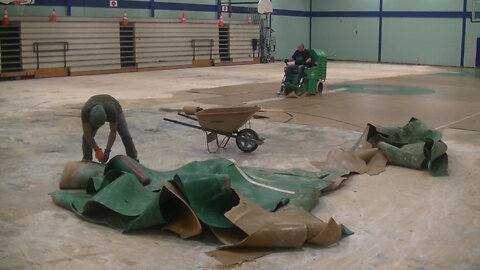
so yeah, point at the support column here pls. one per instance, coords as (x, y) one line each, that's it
(152, 8)
(464, 21)
(310, 28)
(68, 4)
(380, 18)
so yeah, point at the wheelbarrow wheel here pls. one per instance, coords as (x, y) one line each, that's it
(247, 140)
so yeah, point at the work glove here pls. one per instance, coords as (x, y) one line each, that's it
(106, 155)
(99, 155)
(285, 60)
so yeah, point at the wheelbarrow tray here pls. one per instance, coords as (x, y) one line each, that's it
(227, 120)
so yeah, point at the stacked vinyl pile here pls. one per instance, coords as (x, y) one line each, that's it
(243, 207)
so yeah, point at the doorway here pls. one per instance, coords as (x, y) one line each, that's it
(477, 61)
(224, 43)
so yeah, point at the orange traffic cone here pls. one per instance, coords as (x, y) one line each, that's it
(220, 22)
(249, 20)
(124, 20)
(54, 16)
(5, 17)
(183, 18)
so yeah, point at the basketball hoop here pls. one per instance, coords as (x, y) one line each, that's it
(265, 7)
(18, 2)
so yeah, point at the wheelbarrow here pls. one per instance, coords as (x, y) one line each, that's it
(226, 122)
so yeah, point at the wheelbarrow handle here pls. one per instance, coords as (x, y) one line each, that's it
(201, 128)
(188, 116)
(182, 123)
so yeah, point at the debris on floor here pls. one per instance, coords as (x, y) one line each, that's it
(243, 207)
(360, 161)
(255, 208)
(414, 145)
(76, 174)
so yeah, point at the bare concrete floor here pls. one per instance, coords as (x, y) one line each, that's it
(402, 218)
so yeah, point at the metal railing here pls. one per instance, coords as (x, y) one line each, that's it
(64, 50)
(203, 40)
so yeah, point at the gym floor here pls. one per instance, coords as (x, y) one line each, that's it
(401, 218)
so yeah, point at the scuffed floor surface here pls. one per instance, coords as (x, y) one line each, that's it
(402, 218)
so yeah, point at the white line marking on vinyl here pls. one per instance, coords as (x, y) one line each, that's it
(458, 121)
(335, 91)
(259, 184)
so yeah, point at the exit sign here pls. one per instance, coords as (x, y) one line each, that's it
(113, 4)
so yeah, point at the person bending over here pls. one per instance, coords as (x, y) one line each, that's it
(302, 59)
(96, 111)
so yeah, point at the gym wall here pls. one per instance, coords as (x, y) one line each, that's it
(291, 25)
(90, 40)
(345, 38)
(100, 8)
(291, 22)
(433, 41)
(433, 32)
(194, 9)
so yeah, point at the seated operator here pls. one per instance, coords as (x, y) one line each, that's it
(302, 59)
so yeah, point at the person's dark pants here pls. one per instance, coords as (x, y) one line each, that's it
(291, 69)
(122, 130)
